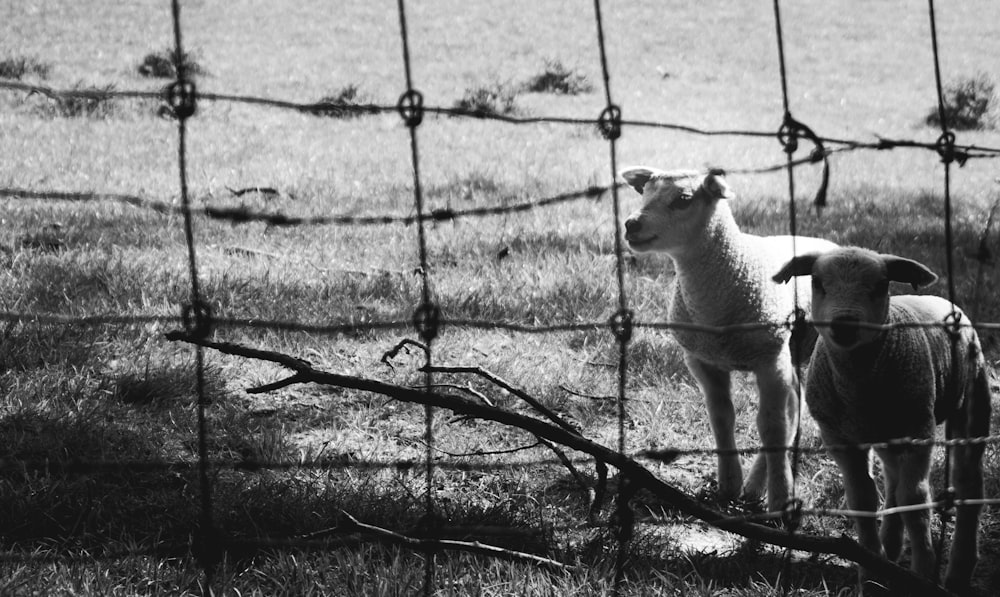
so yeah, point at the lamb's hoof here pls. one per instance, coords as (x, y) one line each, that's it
(751, 505)
(958, 586)
(756, 483)
(753, 493)
(710, 493)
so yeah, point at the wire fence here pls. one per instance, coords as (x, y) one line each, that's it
(182, 98)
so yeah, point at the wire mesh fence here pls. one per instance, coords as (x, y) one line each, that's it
(181, 98)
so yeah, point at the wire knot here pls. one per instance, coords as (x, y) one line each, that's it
(945, 147)
(411, 107)
(622, 324)
(182, 98)
(788, 134)
(953, 325)
(797, 322)
(197, 319)
(427, 320)
(610, 122)
(791, 514)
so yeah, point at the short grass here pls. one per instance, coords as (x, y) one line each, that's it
(114, 393)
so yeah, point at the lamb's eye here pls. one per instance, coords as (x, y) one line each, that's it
(682, 202)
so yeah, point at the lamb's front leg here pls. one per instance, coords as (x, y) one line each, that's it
(914, 467)
(862, 495)
(777, 418)
(715, 385)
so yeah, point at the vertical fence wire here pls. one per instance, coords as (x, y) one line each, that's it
(946, 149)
(181, 96)
(609, 124)
(788, 135)
(427, 316)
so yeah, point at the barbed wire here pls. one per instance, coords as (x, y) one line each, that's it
(243, 214)
(966, 151)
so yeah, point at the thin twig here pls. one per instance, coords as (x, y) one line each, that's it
(475, 547)
(496, 380)
(390, 354)
(603, 398)
(422, 443)
(353, 525)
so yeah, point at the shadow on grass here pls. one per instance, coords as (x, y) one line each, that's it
(46, 502)
(34, 346)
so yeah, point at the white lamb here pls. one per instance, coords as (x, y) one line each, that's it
(723, 277)
(869, 383)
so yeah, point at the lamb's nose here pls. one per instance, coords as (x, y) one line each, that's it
(844, 330)
(632, 225)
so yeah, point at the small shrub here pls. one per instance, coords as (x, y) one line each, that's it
(92, 103)
(165, 65)
(22, 66)
(495, 99)
(556, 78)
(336, 105)
(967, 104)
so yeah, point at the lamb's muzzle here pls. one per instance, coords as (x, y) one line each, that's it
(844, 330)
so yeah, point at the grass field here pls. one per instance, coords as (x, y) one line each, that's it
(75, 393)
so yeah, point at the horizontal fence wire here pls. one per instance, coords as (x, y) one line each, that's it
(477, 324)
(880, 143)
(338, 461)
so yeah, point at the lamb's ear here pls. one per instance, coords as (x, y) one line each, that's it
(909, 271)
(638, 177)
(801, 265)
(715, 186)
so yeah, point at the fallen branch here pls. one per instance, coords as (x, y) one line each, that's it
(595, 497)
(842, 546)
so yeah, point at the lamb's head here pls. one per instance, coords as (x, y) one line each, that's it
(850, 285)
(676, 206)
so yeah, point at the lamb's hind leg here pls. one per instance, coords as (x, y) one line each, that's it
(777, 417)
(967, 478)
(715, 384)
